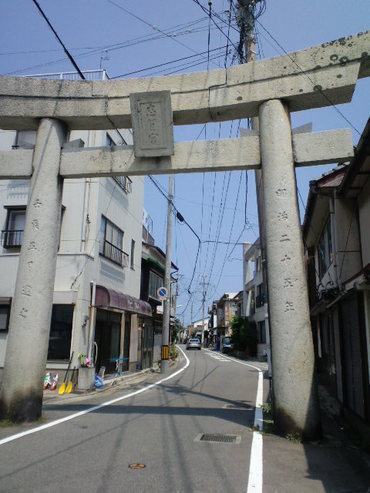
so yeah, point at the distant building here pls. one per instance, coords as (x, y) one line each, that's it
(153, 263)
(226, 309)
(255, 306)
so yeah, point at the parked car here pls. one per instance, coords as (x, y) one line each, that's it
(226, 345)
(193, 343)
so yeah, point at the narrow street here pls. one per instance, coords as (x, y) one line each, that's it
(159, 428)
(88, 442)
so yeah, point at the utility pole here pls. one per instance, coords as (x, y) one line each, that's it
(203, 302)
(246, 17)
(167, 282)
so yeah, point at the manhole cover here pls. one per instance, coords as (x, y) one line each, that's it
(136, 465)
(217, 438)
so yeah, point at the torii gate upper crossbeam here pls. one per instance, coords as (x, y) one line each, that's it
(316, 77)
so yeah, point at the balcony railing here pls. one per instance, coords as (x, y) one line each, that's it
(115, 254)
(12, 238)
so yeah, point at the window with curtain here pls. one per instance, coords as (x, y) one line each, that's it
(111, 242)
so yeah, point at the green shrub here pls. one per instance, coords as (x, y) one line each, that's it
(244, 336)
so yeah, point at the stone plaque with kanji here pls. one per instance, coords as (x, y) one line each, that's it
(152, 124)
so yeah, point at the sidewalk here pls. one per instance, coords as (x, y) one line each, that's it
(110, 382)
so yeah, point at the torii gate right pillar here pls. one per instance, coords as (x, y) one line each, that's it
(296, 407)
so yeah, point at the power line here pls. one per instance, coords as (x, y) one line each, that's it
(166, 63)
(218, 27)
(60, 41)
(150, 25)
(113, 47)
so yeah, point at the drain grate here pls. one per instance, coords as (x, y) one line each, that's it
(217, 438)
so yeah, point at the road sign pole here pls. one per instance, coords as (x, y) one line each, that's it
(167, 279)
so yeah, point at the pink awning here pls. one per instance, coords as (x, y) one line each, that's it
(108, 298)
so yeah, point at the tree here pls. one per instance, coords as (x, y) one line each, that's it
(175, 329)
(244, 335)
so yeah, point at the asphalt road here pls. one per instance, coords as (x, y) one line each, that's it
(159, 428)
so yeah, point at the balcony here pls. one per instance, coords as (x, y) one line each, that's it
(115, 254)
(12, 238)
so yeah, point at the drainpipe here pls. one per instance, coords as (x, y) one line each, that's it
(85, 217)
(92, 321)
(86, 202)
(333, 231)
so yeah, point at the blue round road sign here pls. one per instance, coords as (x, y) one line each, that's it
(162, 293)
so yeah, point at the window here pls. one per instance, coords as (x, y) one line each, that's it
(111, 242)
(325, 249)
(60, 332)
(132, 256)
(12, 235)
(25, 139)
(124, 182)
(155, 282)
(4, 317)
(260, 297)
(109, 142)
(261, 332)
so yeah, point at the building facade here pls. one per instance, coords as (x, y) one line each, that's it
(337, 238)
(255, 306)
(96, 307)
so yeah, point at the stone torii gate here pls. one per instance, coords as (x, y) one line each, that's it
(271, 89)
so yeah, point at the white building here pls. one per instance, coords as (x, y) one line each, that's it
(97, 285)
(255, 296)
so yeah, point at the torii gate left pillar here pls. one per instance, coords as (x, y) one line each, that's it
(21, 398)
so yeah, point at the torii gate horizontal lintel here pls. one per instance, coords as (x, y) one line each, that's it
(315, 77)
(201, 156)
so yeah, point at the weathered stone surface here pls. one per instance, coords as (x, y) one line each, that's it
(319, 76)
(29, 325)
(15, 164)
(243, 153)
(152, 124)
(188, 157)
(295, 397)
(219, 155)
(334, 146)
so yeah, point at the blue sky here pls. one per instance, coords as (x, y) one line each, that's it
(100, 33)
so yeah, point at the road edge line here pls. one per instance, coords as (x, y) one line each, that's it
(255, 478)
(22, 434)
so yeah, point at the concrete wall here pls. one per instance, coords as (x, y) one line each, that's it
(157, 347)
